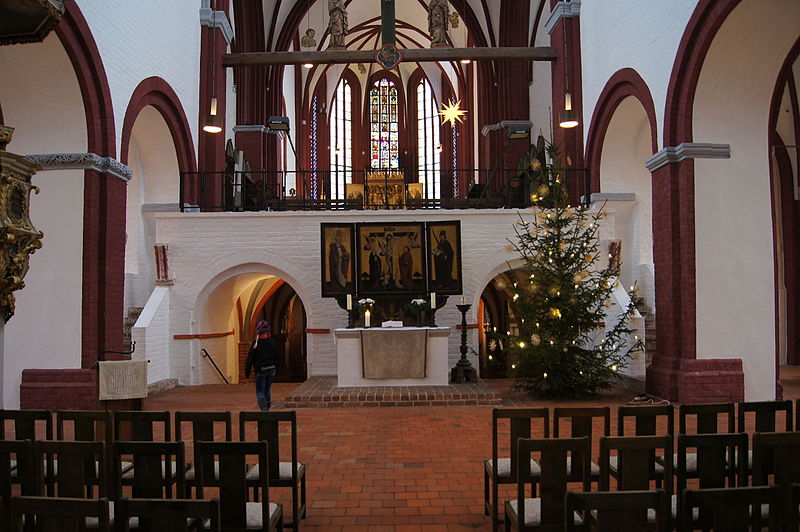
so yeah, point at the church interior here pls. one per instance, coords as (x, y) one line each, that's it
(176, 172)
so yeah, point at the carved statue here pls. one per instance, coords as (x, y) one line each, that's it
(338, 23)
(18, 237)
(438, 20)
(308, 40)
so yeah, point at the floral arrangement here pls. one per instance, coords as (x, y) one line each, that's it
(366, 303)
(418, 306)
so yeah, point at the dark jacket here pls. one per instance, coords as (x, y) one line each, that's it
(264, 354)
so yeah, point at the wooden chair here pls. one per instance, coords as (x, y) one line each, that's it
(88, 425)
(766, 415)
(19, 456)
(158, 469)
(645, 423)
(28, 424)
(503, 469)
(141, 426)
(776, 460)
(289, 473)
(203, 425)
(733, 509)
(60, 514)
(161, 515)
(581, 422)
(85, 425)
(547, 511)
(236, 512)
(634, 462)
(713, 455)
(78, 469)
(707, 419)
(614, 511)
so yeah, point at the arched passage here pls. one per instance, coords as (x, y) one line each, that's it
(234, 304)
(784, 134)
(626, 146)
(153, 188)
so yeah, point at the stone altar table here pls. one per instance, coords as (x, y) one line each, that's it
(403, 356)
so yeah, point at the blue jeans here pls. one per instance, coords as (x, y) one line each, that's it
(264, 380)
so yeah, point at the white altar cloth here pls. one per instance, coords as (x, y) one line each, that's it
(351, 363)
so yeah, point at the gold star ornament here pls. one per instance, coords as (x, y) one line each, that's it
(451, 112)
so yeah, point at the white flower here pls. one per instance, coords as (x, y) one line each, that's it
(418, 302)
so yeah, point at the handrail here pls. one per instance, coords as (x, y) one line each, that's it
(209, 357)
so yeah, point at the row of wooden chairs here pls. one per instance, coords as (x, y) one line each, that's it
(80, 471)
(767, 416)
(117, 428)
(65, 514)
(775, 479)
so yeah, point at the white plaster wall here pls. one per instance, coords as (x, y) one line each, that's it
(147, 38)
(41, 99)
(644, 36)
(152, 335)
(627, 144)
(734, 244)
(208, 249)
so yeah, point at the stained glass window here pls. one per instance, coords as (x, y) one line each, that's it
(429, 145)
(383, 119)
(341, 140)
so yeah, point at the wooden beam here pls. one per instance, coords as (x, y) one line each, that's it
(411, 55)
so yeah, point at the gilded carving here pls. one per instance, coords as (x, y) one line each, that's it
(19, 239)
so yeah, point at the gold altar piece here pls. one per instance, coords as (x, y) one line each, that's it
(18, 237)
(386, 189)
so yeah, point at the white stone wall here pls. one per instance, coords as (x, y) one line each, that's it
(633, 34)
(208, 250)
(152, 335)
(147, 38)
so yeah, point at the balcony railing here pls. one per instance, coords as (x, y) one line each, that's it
(353, 189)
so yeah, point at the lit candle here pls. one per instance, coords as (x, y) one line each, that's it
(433, 300)
(366, 318)
(349, 302)
(463, 300)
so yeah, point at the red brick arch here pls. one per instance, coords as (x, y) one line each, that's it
(624, 83)
(104, 196)
(155, 91)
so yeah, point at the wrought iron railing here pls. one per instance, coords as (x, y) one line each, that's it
(366, 189)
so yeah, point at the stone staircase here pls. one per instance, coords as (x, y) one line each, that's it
(127, 324)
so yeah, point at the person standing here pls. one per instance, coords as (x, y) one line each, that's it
(263, 356)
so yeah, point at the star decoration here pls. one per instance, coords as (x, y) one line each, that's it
(451, 112)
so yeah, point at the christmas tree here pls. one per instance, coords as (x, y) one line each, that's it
(561, 297)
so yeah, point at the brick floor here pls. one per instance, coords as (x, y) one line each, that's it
(372, 468)
(379, 468)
